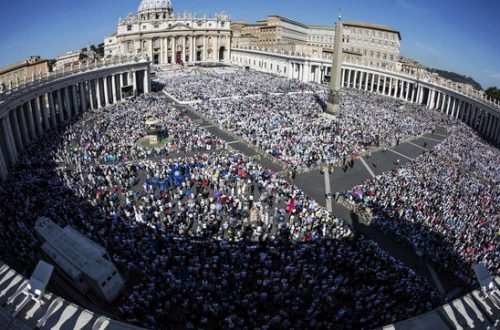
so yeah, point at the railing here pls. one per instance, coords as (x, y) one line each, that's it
(50, 76)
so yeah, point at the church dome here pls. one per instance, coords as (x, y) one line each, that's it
(155, 5)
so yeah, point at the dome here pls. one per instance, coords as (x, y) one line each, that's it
(155, 5)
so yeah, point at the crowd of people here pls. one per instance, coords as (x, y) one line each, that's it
(209, 238)
(445, 204)
(114, 133)
(205, 84)
(294, 128)
(183, 228)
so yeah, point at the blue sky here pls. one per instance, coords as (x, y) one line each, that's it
(456, 35)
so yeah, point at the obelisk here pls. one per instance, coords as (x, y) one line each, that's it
(334, 97)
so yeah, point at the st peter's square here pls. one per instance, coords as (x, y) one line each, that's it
(275, 165)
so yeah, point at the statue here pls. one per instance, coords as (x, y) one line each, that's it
(91, 54)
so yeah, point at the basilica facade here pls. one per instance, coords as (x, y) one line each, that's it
(169, 38)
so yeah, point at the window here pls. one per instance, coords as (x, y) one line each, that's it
(103, 284)
(129, 27)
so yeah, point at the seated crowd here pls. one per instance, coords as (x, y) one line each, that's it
(294, 129)
(112, 134)
(445, 204)
(184, 229)
(218, 84)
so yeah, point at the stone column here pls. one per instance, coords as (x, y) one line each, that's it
(217, 59)
(384, 88)
(106, 91)
(438, 101)
(45, 112)
(52, 107)
(134, 81)
(15, 128)
(307, 75)
(60, 111)
(496, 135)
(469, 114)
(204, 52)
(113, 86)
(490, 126)
(343, 78)
(9, 141)
(31, 122)
(147, 88)
(373, 82)
(183, 49)
(38, 116)
(24, 126)
(83, 101)
(76, 108)
(496, 130)
(91, 95)
(3, 166)
(173, 50)
(448, 104)
(98, 93)
(67, 103)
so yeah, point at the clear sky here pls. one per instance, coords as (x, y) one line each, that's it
(457, 35)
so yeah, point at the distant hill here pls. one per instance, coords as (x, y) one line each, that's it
(457, 78)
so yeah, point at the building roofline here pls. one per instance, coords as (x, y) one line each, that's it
(288, 20)
(19, 65)
(379, 27)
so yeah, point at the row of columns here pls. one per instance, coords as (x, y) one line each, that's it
(191, 48)
(486, 121)
(23, 124)
(307, 72)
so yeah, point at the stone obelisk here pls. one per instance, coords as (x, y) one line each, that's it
(334, 97)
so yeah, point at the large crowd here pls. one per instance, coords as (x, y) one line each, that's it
(117, 133)
(294, 129)
(204, 239)
(445, 204)
(201, 84)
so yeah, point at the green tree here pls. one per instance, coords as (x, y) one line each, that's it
(493, 92)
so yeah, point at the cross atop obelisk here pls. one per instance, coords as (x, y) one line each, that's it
(333, 98)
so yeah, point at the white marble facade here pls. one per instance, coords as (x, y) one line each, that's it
(169, 38)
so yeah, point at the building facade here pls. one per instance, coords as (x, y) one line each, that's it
(67, 61)
(21, 72)
(378, 44)
(169, 38)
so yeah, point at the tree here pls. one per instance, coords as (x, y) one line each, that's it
(493, 92)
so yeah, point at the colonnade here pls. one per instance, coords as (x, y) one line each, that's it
(51, 107)
(483, 119)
